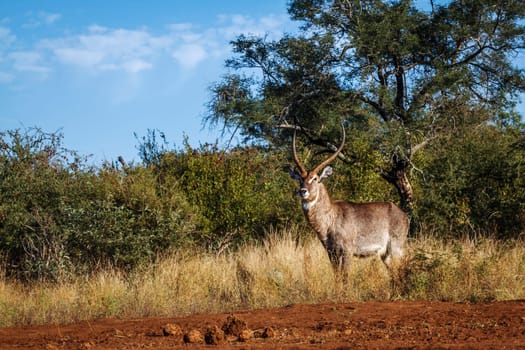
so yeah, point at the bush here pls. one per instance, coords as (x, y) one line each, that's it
(474, 185)
(57, 214)
(129, 220)
(237, 195)
(37, 177)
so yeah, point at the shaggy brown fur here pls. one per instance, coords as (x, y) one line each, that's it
(349, 229)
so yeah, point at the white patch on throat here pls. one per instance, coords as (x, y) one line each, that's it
(309, 205)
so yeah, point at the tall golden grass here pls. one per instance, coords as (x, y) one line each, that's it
(282, 270)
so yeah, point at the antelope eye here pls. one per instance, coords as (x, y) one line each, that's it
(314, 178)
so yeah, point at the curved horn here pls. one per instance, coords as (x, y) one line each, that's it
(295, 159)
(333, 156)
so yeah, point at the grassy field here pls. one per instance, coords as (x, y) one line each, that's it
(277, 272)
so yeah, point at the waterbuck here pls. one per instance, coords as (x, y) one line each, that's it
(349, 229)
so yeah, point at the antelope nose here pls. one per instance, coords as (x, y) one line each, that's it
(303, 192)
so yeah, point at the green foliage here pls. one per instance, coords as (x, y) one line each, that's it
(360, 181)
(476, 184)
(36, 185)
(129, 220)
(57, 215)
(236, 195)
(400, 73)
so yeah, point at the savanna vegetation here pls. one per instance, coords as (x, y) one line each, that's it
(427, 96)
(278, 271)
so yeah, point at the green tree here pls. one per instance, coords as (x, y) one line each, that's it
(396, 73)
(476, 182)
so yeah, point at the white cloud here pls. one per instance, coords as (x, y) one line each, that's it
(193, 45)
(109, 49)
(274, 23)
(79, 56)
(95, 28)
(29, 61)
(234, 25)
(180, 27)
(50, 18)
(98, 48)
(35, 20)
(190, 55)
(6, 38)
(135, 66)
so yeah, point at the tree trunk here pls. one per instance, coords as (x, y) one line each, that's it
(397, 176)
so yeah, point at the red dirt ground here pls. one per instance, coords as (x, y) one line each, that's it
(370, 325)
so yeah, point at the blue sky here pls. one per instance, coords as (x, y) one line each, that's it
(100, 71)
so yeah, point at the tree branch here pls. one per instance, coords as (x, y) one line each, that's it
(329, 146)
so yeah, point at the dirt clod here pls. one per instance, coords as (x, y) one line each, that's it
(214, 336)
(245, 335)
(234, 326)
(268, 332)
(86, 346)
(171, 329)
(194, 336)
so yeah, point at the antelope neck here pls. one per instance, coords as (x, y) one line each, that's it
(309, 205)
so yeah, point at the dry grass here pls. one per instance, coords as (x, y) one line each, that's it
(466, 270)
(277, 272)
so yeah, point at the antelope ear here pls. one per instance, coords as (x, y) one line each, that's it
(293, 174)
(326, 172)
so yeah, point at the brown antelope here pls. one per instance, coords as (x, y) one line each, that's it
(349, 229)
